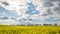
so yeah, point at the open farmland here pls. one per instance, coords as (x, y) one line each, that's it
(29, 29)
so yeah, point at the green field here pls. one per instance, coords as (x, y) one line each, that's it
(29, 29)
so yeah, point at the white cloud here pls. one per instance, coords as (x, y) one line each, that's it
(8, 21)
(14, 5)
(1, 16)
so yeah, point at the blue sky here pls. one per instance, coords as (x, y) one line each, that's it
(48, 16)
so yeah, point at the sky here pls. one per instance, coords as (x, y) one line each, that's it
(30, 11)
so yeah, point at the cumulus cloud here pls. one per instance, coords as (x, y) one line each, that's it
(8, 22)
(32, 11)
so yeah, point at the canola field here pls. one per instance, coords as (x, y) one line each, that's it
(29, 29)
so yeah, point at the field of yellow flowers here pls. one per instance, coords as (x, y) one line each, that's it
(29, 29)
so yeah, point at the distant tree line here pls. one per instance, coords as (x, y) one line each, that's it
(36, 24)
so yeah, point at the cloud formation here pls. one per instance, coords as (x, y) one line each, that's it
(30, 11)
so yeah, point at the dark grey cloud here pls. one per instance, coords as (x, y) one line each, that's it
(57, 10)
(5, 3)
(48, 4)
(48, 12)
(4, 17)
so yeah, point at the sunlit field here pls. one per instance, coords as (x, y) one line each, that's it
(29, 29)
